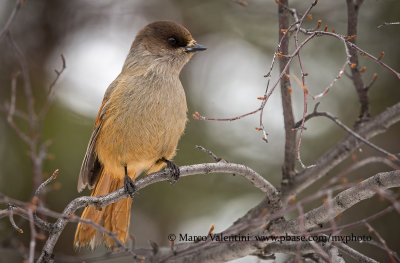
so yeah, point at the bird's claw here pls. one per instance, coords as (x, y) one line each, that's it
(173, 170)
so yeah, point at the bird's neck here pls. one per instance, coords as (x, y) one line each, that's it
(145, 63)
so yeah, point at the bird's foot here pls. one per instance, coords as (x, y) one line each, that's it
(173, 169)
(129, 185)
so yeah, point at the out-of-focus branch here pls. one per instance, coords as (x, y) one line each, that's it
(241, 2)
(388, 24)
(383, 242)
(51, 92)
(38, 148)
(18, 4)
(33, 136)
(32, 243)
(12, 110)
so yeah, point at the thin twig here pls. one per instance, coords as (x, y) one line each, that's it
(11, 218)
(343, 201)
(45, 183)
(352, 45)
(355, 224)
(210, 153)
(383, 242)
(17, 113)
(241, 2)
(338, 76)
(388, 24)
(32, 243)
(18, 4)
(51, 94)
(11, 111)
(303, 84)
(380, 246)
(359, 164)
(27, 83)
(316, 113)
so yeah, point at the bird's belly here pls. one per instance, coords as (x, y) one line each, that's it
(138, 139)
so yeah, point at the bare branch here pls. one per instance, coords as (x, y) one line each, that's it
(342, 150)
(210, 153)
(388, 24)
(11, 218)
(241, 2)
(357, 223)
(303, 84)
(18, 4)
(17, 113)
(101, 201)
(32, 243)
(347, 129)
(383, 242)
(12, 110)
(45, 183)
(353, 8)
(343, 201)
(290, 135)
(27, 82)
(357, 165)
(352, 45)
(51, 94)
(361, 258)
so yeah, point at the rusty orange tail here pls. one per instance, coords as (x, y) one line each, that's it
(114, 217)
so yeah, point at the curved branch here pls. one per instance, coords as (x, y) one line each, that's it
(101, 201)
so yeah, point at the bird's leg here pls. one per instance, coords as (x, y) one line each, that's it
(129, 185)
(174, 169)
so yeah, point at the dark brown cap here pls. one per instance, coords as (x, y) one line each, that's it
(166, 35)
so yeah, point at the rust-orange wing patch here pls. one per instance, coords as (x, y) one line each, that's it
(99, 115)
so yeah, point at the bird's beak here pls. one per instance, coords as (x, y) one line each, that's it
(195, 48)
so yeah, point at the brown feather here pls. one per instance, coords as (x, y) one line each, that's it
(114, 217)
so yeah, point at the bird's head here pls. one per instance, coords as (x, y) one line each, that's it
(165, 44)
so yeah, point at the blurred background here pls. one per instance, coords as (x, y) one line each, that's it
(224, 81)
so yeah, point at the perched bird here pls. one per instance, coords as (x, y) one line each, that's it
(138, 126)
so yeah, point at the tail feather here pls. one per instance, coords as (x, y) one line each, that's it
(117, 218)
(114, 217)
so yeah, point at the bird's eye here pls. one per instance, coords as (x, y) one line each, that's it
(172, 41)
